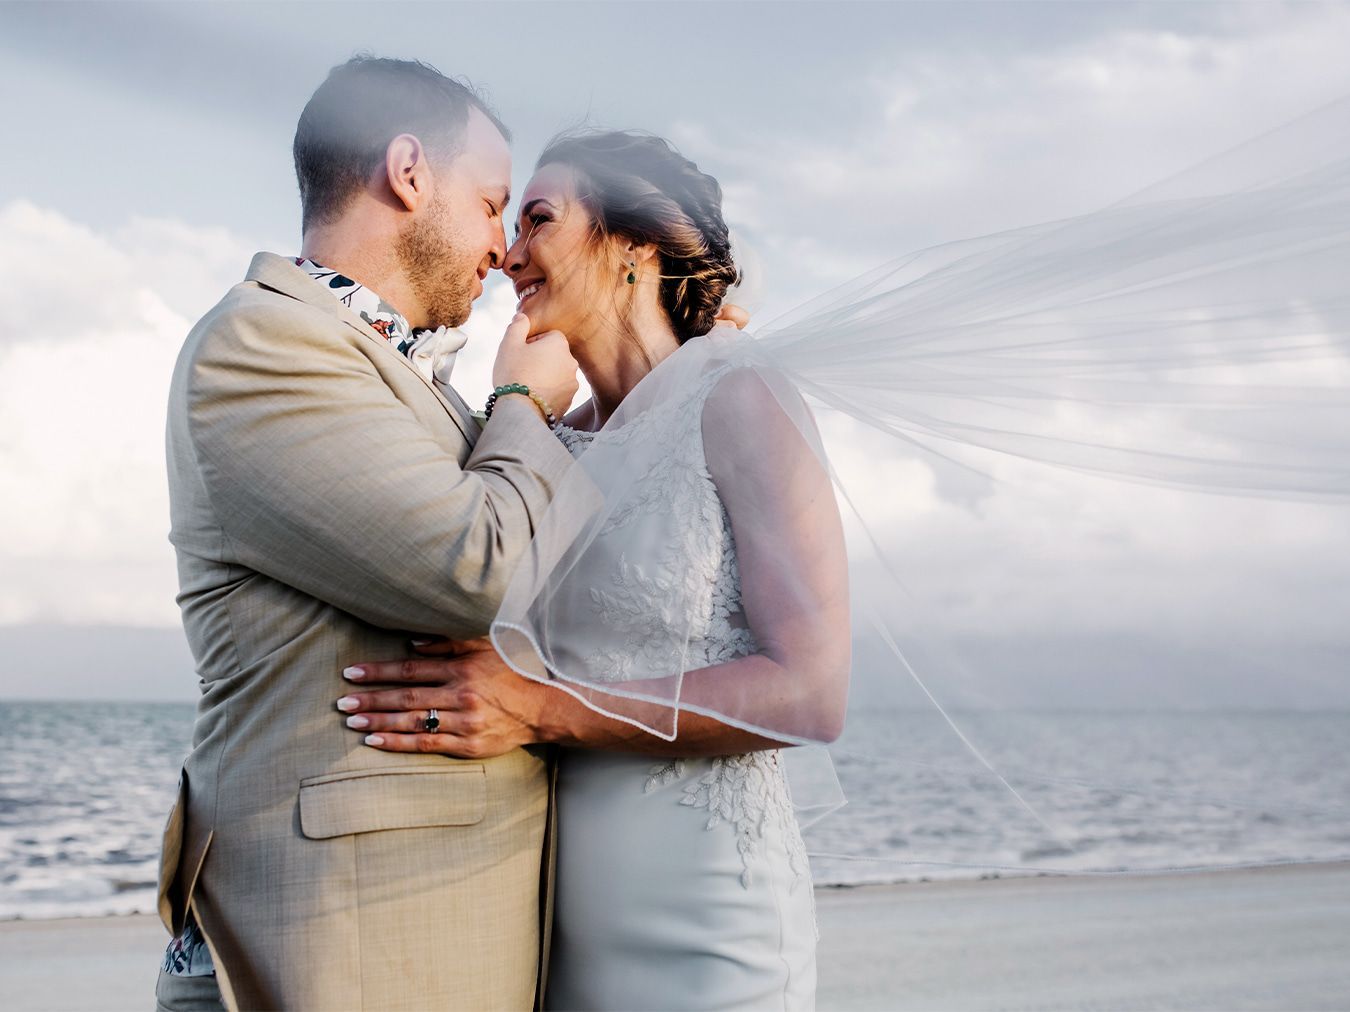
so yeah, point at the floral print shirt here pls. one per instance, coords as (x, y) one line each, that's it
(383, 318)
(187, 955)
(431, 351)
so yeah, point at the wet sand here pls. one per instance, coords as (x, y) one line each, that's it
(1270, 938)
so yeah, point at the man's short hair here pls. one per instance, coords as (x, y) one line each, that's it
(364, 104)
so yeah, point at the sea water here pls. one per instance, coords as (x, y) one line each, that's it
(85, 788)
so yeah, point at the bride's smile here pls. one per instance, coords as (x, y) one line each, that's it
(549, 261)
(602, 290)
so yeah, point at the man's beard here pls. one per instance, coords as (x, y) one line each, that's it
(429, 253)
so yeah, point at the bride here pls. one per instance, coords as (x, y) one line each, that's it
(687, 591)
(703, 625)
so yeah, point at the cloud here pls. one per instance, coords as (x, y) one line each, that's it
(84, 379)
(920, 140)
(84, 375)
(491, 313)
(1042, 554)
(955, 140)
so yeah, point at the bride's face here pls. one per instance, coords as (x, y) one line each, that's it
(564, 278)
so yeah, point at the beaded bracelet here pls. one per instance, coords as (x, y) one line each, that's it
(520, 388)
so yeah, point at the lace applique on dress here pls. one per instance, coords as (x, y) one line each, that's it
(749, 792)
(575, 440)
(664, 774)
(690, 557)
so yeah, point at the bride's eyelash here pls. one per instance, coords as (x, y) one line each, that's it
(536, 219)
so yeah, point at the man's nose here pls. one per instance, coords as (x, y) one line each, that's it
(497, 251)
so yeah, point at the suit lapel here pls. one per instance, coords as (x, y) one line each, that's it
(283, 276)
(461, 409)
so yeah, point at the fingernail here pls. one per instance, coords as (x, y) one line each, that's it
(374, 739)
(348, 703)
(417, 643)
(353, 673)
(358, 722)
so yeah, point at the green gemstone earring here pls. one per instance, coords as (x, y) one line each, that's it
(632, 278)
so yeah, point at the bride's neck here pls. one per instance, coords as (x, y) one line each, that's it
(616, 358)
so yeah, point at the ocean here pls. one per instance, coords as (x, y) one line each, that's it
(84, 790)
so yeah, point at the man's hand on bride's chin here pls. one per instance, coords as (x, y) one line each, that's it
(485, 709)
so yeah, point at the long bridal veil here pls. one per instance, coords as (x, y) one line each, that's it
(1078, 411)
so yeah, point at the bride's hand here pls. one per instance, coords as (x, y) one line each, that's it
(485, 709)
(732, 315)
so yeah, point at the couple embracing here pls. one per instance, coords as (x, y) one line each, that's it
(382, 807)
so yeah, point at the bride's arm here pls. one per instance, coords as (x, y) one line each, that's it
(794, 589)
(792, 562)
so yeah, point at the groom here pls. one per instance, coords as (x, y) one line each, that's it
(330, 497)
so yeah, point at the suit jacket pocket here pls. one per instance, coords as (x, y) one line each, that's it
(399, 797)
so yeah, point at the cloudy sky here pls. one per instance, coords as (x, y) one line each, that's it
(148, 158)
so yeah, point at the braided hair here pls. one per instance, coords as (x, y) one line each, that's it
(639, 187)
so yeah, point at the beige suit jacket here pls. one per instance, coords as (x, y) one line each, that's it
(327, 502)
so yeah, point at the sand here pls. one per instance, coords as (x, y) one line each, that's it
(1271, 938)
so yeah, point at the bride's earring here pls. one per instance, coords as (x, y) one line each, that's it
(632, 277)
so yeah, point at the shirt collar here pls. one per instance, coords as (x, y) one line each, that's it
(381, 317)
(432, 352)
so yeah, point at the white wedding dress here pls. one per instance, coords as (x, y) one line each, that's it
(681, 884)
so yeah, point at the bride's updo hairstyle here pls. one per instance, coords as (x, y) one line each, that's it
(637, 186)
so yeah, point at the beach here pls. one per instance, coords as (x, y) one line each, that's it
(1267, 938)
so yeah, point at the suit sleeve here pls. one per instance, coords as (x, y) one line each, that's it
(324, 480)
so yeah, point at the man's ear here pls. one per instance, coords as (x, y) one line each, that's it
(407, 171)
